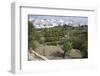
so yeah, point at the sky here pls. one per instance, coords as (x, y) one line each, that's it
(75, 19)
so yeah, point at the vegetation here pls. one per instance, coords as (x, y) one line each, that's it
(67, 46)
(77, 37)
(32, 35)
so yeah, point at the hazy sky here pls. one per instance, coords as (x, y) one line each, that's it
(75, 19)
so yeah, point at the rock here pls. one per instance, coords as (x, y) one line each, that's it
(49, 50)
(74, 53)
(30, 56)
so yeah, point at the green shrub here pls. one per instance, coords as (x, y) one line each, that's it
(84, 49)
(67, 46)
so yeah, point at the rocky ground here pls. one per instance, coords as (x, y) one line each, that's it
(53, 53)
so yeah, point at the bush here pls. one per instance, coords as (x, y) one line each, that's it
(84, 50)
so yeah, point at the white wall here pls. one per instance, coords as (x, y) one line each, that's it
(5, 33)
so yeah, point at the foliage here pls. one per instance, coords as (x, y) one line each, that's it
(32, 35)
(84, 50)
(67, 46)
(79, 39)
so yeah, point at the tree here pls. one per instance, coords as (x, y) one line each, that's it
(31, 35)
(84, 49)
(79, 37)
(67, 46)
